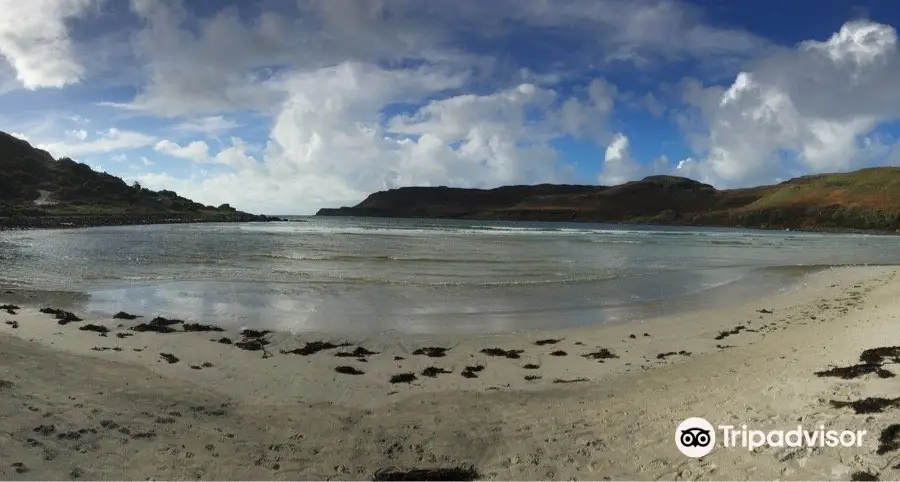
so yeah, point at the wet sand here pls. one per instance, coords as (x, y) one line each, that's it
(163, 399)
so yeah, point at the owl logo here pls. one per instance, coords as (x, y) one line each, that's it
(695, 437)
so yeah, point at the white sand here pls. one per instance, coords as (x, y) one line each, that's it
(293, 417)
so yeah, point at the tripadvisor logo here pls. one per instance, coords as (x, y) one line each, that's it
(696, 437)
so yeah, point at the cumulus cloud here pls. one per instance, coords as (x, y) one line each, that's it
(333, 143)
(235, 155)
(230, 62)
(369, 95)
(206, 125)
(105, 142)
(618, 166)
(811, 108)
(35, 41)
(196, 151)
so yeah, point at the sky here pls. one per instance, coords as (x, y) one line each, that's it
(288, 106)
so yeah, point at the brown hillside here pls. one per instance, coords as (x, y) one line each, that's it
(868, 199)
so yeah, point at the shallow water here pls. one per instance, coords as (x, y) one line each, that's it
(418, 276)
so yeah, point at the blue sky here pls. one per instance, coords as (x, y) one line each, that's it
(286, 106)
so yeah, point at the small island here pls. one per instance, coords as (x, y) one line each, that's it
(38, 191)
(867, 200)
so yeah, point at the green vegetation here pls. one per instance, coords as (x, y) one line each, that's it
(864, 200)
(867, 188)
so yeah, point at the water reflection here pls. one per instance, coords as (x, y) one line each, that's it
(379, 309)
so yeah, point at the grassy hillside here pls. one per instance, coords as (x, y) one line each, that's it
(864, 200)
(38, 190)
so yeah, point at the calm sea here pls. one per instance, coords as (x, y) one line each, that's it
(418, 276)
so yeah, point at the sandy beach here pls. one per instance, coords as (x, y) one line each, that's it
(139, 399)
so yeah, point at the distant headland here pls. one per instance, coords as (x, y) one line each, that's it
(38, 191)
(867, 200)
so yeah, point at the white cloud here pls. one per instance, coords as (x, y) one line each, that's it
(79, 134)
(330, 144)
(197, 151)
(35, 41)
(333, 79)
(105, 142)
(236, 155)
(618, 166)
(206, 125)
(229, 62)
(806, 109)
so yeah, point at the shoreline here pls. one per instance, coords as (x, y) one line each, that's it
(90, 221)
(808, 229)
(292, 415)
(755, 283)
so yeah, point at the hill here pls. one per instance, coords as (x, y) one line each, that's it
(37, 190)
(864, 200)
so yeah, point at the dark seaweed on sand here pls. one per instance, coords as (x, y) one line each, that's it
(431, 351)
(868, 405)
(348, 370)
(248, 333)
(889, 440)
(359, 352)
(601, 354)
(144, 327)
(169, 357)
(451, 473)
(502, 353)
(63, 316)
(252, 345)
(863, 476)
(548, 341)
(160, 321)
(201, 327)
(313, 347)
(472, 371)
(403, 378)
(880, 354)
(574, 380)
(856, 371)
(157, 325)
(733, 331)
(663, 356)
(94, 328)
(125, 316)
(433, 372)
